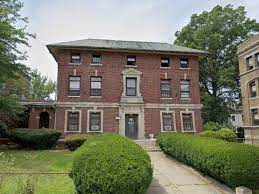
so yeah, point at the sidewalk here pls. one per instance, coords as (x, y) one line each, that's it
(171, 176)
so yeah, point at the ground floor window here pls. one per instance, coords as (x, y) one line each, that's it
(187, 122)
(255, 117)
(167, 121)
(95, 121)
(73, 120)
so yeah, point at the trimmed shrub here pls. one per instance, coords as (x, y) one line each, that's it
(224, 134)
(234, 164)
(34, 138)
(72, 142)
(212, 126)
(110, 163)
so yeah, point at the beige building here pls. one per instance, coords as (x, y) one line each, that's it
(248, 56)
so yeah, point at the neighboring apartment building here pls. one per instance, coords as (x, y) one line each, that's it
(248, 56)
(128, 87)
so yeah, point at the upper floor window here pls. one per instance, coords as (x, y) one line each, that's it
(255, 116)
(96, 59)
(184, 63)
(167, 120)
(187, 122)
(95, 121)
(74, 85)
(249, 63)
(185, 88)
(252, 87)
(96, 86)
(75, 58)
(257, 59)
(165, 62)
(72, 121)
(131, 60)
(131, 86)
(165, 88)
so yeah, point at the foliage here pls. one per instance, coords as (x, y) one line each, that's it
(34, 138)
(223, 134)
(234, 164)
(41, 86)
(212, 126)
(110, 163)
(72, 142)
(219, 32)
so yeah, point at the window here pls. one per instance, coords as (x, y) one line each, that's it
(167, 119)
(184, 63)
(131, 60)
(252, 89)
(96, 59)
(185, 88)
(96, 86)
(75, 58)
(249, 63)
(165, 88)
(255, 117)
(131, 86)
(74, 85)
(233, 118)
(95, 121)
(187, 122)
(72, 121)
(165, 62)
(257, 59)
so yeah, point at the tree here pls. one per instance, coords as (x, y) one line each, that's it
(219, 32)
(41, 87)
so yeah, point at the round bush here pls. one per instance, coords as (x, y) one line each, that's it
(72, 142)
(34, 138)
(110, 163)
(234, 164)
(224, 134)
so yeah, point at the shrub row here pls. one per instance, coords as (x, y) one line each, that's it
(72, 142)
(110, 163)
(212, 126)
(224, 134)
(34, 138)
(234, 164)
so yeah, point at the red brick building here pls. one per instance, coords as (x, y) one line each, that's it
(129, 87)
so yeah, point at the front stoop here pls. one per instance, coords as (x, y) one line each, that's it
(148, 144)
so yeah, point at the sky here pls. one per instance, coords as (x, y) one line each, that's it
(147, 20)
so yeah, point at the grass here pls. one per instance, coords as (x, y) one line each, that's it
(27, 161)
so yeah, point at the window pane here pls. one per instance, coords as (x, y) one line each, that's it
(96, 85)
(131, 60)
(187, 122)
(131, 92)
(255, 117)
(73, 121)
(75, 58)
(74, 85)
(96, 59)
(184, 63)
(165, 62)
(131, 82)
(165, 89)
(185, 88)
(95, 121)
(253, 92)
(249, 62)
(167, 121)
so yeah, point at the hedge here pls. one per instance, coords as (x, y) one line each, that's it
(212, 126)
(72, 142)
(234, 164)
(34, 138)
(224, 134)
(110, 163)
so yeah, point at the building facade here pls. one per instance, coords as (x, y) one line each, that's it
(129, 87)
(248, 56)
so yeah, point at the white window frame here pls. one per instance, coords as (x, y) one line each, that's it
(131, 73)
(80, 119)
(161, 120)
(88, 121)
(193, 120)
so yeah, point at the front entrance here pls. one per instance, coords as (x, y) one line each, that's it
(131, 126)
(44, 120)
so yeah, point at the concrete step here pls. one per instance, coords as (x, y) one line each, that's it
(148, 145)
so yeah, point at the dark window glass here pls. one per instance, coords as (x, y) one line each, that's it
(165, 88)
(131, 86)
(249, 63)
(165, 62)
(75, 58)
(233, 118)
(255, 117)
(131, 60)
(257, 59)
(185, 88)
(95, 121)
(252, 89)
(74, 85)
(96, 59)
(167, 121)
(184, 63)
(73, 121)
(96, 86)
(187, 122)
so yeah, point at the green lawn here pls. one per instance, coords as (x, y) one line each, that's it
(25, 161)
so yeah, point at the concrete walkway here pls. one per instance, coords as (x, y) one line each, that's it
(171, 176)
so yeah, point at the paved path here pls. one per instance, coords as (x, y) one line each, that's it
(171, 176)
